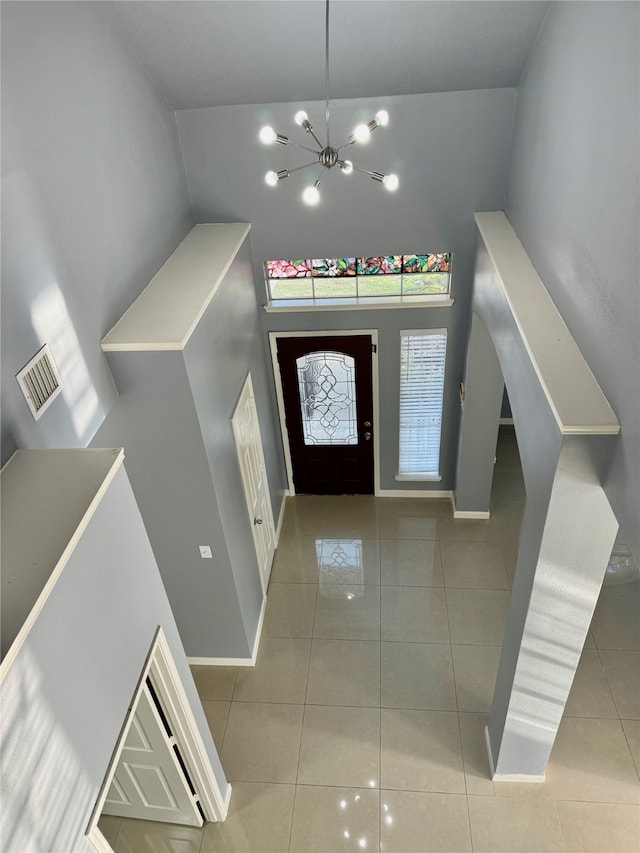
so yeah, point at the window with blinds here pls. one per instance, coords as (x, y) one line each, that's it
(422, 363)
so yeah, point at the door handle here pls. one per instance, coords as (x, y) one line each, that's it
(367, 423)
(367, 436)
(257, 521)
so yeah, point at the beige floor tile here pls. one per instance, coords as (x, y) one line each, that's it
(473, 565)
(513, 825)
(506, 520)
(591, 761)
(616, 623)
(261, 742)
(295, 561)
(340, 746)
(420, 751)
(280, 673)
(259, 820)
(475, 669)
(600, 827)
(145, 836)
(351, 561)
(217, 714)
(477, 616)
(590, 695)
(509, 551)
(632, 733)
(414, 614)
(414, 822)
(335, 516)
(344, 672)
(215, 682)
(109, 826)
(623, 674)
(417, 675)
(477, 772)
(473, 530)
(410, 562)
(508, 483)
(409, 519)
(346, 612)
(335, 819)
(290, 610)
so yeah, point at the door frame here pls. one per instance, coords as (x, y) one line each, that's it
(247, 388)
(160, 667)
(273, 343)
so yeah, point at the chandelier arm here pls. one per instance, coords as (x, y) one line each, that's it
(326, 55)
(300, 168)
(364, 171)
(305, 147)
(310, 130)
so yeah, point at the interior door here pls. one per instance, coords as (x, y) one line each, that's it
(150, 782)
(327, 388)
(246, 431)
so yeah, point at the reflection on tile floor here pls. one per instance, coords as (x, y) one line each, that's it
(362, 725)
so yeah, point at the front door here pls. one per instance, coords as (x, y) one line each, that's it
(327, 388)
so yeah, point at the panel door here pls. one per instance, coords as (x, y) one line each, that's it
(149, 782)
(327, 387)
(246, 431)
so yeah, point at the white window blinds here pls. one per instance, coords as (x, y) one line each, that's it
(422, 361)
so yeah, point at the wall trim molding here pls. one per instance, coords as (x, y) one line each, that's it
(236, 661)
(283, 504)
(415, 493)
(468, 514)
(506, 422)
(508, 777)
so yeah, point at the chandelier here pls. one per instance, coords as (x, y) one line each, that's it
(326, 155)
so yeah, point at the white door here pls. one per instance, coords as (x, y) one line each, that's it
(246, 431)
(149, 782)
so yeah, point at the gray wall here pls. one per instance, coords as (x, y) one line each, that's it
(173, 416)
(67, 693)
(155, 419)
(227, 345)
(94, 199)
(451, 152)
(573, 200)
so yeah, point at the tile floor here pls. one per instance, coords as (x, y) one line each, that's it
(362, 725)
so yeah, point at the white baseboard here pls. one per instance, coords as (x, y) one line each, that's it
(283, 505)
(236, 661)
(414, 493)
(506, 422)
(508, 777)
(468, 514)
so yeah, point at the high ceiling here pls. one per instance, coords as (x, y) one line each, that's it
(203, 53)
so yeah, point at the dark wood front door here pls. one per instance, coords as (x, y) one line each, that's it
(328, 402)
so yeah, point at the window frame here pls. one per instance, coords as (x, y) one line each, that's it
(356, 279)
(415, 475)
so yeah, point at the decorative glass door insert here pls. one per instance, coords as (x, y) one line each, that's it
(327, 390)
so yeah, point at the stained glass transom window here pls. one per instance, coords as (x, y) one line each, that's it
(371, 277)
(327, 389)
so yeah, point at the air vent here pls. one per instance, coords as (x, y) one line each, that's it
(40, 382)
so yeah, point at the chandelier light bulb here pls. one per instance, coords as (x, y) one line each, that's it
(382, 117)
(311, 195)
(347, 167)
(271, 178)
(390, 182)
(300, 117)
(361, 133)
(268, 135)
